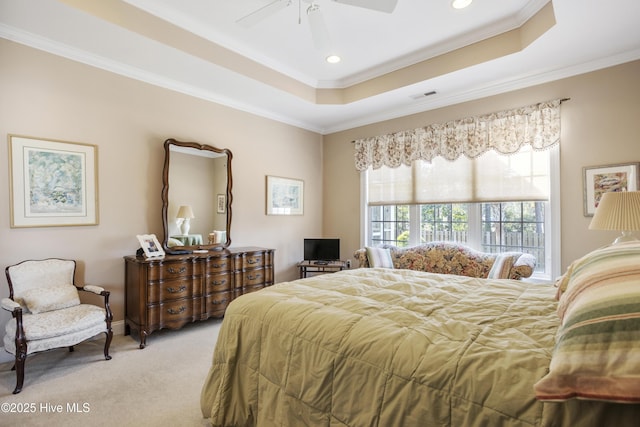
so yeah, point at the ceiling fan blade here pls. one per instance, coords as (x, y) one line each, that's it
(319, 32)
(387, 6)
(264, 12)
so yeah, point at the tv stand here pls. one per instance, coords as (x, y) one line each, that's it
(320, 267)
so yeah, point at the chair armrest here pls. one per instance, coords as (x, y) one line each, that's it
(9, 304)
(93, 288)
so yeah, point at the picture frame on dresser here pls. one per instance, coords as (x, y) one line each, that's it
(53, 183)
(150, 246)
(606, 178)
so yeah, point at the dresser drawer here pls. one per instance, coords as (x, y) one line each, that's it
(169, 290)
(250, 260)
(218, 265)
(217, 303)
(174, 314)
(167, 271)
(218, 283)
(253, 277)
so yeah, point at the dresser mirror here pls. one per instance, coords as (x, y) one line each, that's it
(196, 196)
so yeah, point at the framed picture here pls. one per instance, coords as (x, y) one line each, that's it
(285, 196)
(150, 245)
(222, 203)
(602, 179)
(53, 183)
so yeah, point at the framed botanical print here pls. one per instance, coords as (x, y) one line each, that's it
(53, 183)
(285, 196)
(602, 179)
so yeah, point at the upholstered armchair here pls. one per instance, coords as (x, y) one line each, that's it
(47, 312)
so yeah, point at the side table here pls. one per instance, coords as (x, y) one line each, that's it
(315, 267)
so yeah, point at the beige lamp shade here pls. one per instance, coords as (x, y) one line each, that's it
(618, 211)
(185, 211)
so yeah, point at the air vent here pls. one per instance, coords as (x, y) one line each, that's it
(423, 95)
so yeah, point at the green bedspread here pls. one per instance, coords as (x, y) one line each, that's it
(379, 347)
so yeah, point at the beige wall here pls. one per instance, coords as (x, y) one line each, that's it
(51, 97)
(599, 127)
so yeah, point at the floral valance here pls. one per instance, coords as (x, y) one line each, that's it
(506, 131)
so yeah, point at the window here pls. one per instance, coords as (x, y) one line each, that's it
(503, 227)
(397, 209)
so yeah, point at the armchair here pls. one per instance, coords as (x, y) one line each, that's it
(47, 313)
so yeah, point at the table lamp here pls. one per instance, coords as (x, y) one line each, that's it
(618, 211)
(185, 213)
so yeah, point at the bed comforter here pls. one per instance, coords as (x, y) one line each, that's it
(384, 347)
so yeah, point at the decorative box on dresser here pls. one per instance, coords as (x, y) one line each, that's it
(172, 291)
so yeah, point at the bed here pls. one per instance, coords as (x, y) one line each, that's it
(395, 347)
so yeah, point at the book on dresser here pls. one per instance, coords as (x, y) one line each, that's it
(175, 290)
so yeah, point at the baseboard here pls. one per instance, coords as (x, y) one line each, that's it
(116, 327)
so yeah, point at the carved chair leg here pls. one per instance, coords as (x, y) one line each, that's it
(107, 343)
(19, 367)
(21, 357)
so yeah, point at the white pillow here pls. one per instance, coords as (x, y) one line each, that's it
(379, 257)
(51, 298)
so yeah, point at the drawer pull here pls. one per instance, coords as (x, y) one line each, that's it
(175, 291)
(178, 271)
(219, 302)
(178, 311)
(251, 277)
(253, 261)
(216, 282)
(219, 265)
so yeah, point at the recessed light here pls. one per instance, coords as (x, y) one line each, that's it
(333, 59)
(460, 4)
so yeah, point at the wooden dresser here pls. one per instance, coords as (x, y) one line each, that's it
(178, 289)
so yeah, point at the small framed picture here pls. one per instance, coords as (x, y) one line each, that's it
(602, 179)
(285, 196)
(150, 245)
(222, 203)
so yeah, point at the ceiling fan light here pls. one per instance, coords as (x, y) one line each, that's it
(333, 59)
(460, 4)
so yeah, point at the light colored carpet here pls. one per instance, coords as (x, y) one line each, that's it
(157, 386)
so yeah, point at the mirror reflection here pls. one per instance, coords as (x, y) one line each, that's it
(196, 196)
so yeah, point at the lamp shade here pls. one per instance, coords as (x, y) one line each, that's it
(185, 211)
(618, 211)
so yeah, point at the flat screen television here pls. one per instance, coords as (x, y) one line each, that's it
(321, 250)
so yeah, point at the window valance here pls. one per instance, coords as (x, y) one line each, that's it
(537, 125)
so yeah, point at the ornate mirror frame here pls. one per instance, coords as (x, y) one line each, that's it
(211, 196)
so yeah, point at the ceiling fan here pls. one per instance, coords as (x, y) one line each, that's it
(318, 28)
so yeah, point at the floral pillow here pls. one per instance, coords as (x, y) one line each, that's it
(40, 300)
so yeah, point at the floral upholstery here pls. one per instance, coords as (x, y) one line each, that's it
(54, 329)
(452, 258)
(47, 312)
